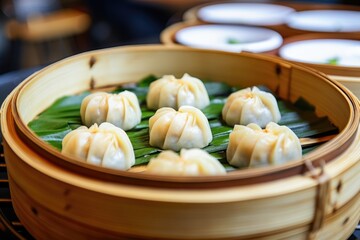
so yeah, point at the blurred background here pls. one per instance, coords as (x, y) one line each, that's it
(38, 32)
(35, 33)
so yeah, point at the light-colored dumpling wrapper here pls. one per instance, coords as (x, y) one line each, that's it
(122, 109)
(186, 128)
(190, 162)
(171, 92)
(251, 146)
(105, 145)
(251, 106)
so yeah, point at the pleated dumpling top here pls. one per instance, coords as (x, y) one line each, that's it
(252, 146)
(105, 145)
(186, 128)
(169, 91)
(251, 106)
(122, 109)
(190, 162)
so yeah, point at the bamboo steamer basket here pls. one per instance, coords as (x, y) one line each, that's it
(348, 76)
(191, 15)
(57, 197)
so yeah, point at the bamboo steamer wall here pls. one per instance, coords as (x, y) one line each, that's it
(57, 197)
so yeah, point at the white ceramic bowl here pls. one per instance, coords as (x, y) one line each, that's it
(341, 52)
(325, 20)
(259, 14)
(229, 38)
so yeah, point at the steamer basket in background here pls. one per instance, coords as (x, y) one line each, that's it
(57, 197)
(285, 18)
(337, 55)
(222, 37)
(294, 21)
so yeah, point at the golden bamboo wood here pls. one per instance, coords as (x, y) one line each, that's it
(61, 198)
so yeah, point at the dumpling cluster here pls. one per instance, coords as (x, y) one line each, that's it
(171, 92)
(180, 125)
(186, 128)
(122, 110)
(251, 106)
(105, 145)
(190, 162)
(251, 146)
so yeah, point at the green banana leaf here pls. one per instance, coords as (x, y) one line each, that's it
(64, 115)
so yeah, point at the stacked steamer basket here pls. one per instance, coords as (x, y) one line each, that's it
(337, 55)
(57, 197)
(295, 22)
(269, 14)
(247, 13)
(329, 41)
(223, 37)
(251, 26)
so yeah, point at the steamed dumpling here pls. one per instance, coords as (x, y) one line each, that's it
(191, 162)
(251, 146)
(122, 110)
(251, 106)
(171, 92)
(105, 145)
(186, 128)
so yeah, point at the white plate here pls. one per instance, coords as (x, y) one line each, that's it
(339, 52)
(229, 38)
(325, 20)
(245, 13)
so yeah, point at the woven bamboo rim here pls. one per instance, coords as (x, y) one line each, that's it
(324, 154)
(322, 189)
(191, 15)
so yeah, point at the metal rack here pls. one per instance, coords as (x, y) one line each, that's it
(10, 226)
